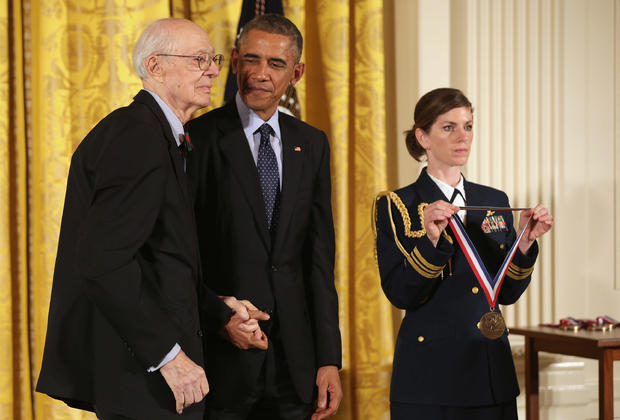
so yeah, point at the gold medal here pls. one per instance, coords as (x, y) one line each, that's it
(602, 327)
(492, 325)
(573, 328)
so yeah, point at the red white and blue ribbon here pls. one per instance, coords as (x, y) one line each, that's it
(490, 285)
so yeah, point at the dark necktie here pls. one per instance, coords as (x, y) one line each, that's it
(268, 175)
(455, 194)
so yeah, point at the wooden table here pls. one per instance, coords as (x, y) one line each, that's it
(603, 346)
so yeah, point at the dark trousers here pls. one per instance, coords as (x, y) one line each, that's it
(274, 396)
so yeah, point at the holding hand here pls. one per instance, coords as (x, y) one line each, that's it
(540, 223)
(242, 329)
(436, 217)
(186, 379)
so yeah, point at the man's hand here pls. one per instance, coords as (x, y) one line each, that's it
(243, 330)
(186, 379)
(238, 306)
(330, 392)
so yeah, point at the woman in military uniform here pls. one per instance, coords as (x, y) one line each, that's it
(445, 364)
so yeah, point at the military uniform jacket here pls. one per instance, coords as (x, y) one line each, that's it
(441, 357)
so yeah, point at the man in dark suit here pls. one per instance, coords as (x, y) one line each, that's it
(263, 208)
(124, 331)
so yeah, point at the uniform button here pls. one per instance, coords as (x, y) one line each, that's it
(474, 290)
(274, 268)
(420, 338)
(199, 332)
(501, 246)
(478, 325)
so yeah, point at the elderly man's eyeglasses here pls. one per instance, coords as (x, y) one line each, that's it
(203, 60)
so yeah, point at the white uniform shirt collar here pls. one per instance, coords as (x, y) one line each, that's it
(175, 123)
(448, 190)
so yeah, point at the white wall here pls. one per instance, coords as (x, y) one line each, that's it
(544, 78)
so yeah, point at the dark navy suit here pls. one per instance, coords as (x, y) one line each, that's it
(441, 357)
(288, 274)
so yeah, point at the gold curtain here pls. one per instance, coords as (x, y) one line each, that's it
(67, 63)
(345, 61)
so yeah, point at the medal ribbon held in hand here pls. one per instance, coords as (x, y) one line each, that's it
(492, 323)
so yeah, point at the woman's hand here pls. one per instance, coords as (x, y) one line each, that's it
(436, 217)
(540, 223)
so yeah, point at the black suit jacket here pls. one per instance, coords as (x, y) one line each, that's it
(289, 275)
(441, 357)
(125, 286)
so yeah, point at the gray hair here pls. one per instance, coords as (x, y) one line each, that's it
(156, 38)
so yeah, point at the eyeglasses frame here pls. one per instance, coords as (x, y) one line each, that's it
(218, 59)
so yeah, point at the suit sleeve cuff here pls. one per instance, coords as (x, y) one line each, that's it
(429, 261)
(171, 355)
(522, 265)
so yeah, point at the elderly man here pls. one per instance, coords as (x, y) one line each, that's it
(263, 207)
(124, 336)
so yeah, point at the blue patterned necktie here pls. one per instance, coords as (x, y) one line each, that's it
(268, 175)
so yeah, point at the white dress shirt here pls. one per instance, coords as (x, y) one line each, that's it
(251, 122)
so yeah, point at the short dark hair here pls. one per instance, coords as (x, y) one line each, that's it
(274, 24)
(429, 107)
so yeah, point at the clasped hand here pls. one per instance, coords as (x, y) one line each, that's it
(243, 330)
(187, 380)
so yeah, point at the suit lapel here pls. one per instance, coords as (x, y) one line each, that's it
(177, 162)
(292, 160)
(428, 190)
(234, 146)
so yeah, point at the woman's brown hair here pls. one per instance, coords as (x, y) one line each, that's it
(428, 108)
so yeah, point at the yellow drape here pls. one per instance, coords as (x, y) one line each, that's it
(15, 355)
(346, 71)
(66, 64)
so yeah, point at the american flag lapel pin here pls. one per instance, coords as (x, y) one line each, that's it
(297, 149)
